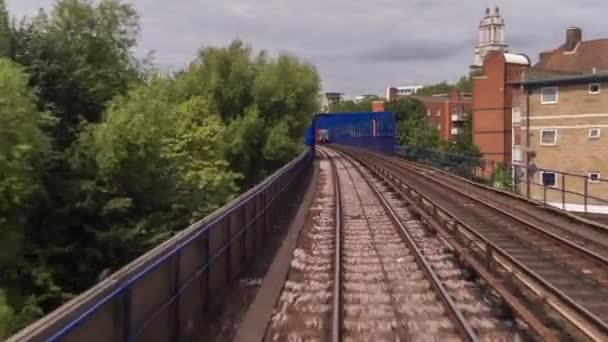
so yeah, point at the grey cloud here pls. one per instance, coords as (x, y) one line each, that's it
(357, 46)
(412, 51)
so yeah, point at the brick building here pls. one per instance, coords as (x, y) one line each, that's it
(559, 119)
(492, 104)
(393, 93)
(447, 112)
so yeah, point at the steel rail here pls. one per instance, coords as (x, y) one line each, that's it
(374, 246)
(336, 326)
(595, 328)
(589, 253)
(458, 318)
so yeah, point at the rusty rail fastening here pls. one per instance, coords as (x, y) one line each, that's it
(467, 240)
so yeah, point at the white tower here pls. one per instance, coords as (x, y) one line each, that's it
(491, 36)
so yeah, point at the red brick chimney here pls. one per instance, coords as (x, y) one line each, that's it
(377, 106)
(574, 35)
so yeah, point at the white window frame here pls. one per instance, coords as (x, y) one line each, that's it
(428, 112)
(542, 96)
(516, 115)
(599, 133)
(593, 181)
(438, 112)
(599, 88)
(541, 137)
(541, 173)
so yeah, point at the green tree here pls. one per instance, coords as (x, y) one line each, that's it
(464, 84)
(78, 57)
(225, 75)
(439, 88)
(349, 106)
(161, 162)
(245, 138)
(280, 147)
(413, 129)
(23, 146)
(131, 157)
(6, 33)
(286, 90)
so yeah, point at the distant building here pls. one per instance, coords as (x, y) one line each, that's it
(560, 122)
(333, 97)
(447, 112)
(393, 93)
(330, 99)
(491, 36)
(361, 98)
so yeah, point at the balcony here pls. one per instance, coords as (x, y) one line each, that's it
(457, 130)
(459, 117)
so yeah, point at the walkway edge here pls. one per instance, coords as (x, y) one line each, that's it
(254, 324)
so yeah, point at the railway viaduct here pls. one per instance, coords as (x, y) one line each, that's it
(361, 244)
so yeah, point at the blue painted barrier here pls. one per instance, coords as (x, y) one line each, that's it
(374, 131)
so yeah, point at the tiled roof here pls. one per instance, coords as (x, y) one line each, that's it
(587, 55)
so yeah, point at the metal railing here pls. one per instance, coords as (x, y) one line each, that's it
(568, 191)
(164, 295)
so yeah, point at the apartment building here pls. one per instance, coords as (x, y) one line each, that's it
(560, 123)
(447, 112)
(492, 99)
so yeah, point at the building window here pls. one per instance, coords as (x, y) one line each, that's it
(594, 177)
(548, 95)
(516, 153)
(438, 112)
(516, 114)
(428, 112)
(548, 137)
(594, 88)
(548, 179)
(594, 133)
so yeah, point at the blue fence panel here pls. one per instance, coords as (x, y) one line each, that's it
(371, 131)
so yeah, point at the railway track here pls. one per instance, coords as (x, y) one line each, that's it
(368, 271)
(571, 278)
(592, 237)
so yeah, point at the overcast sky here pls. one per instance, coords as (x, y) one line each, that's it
(358, 46)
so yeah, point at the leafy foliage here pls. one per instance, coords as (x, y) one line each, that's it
(349, 106)
(463, 85)
(412, 124)
(23, 145)
(101, 158)
(78, 58)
